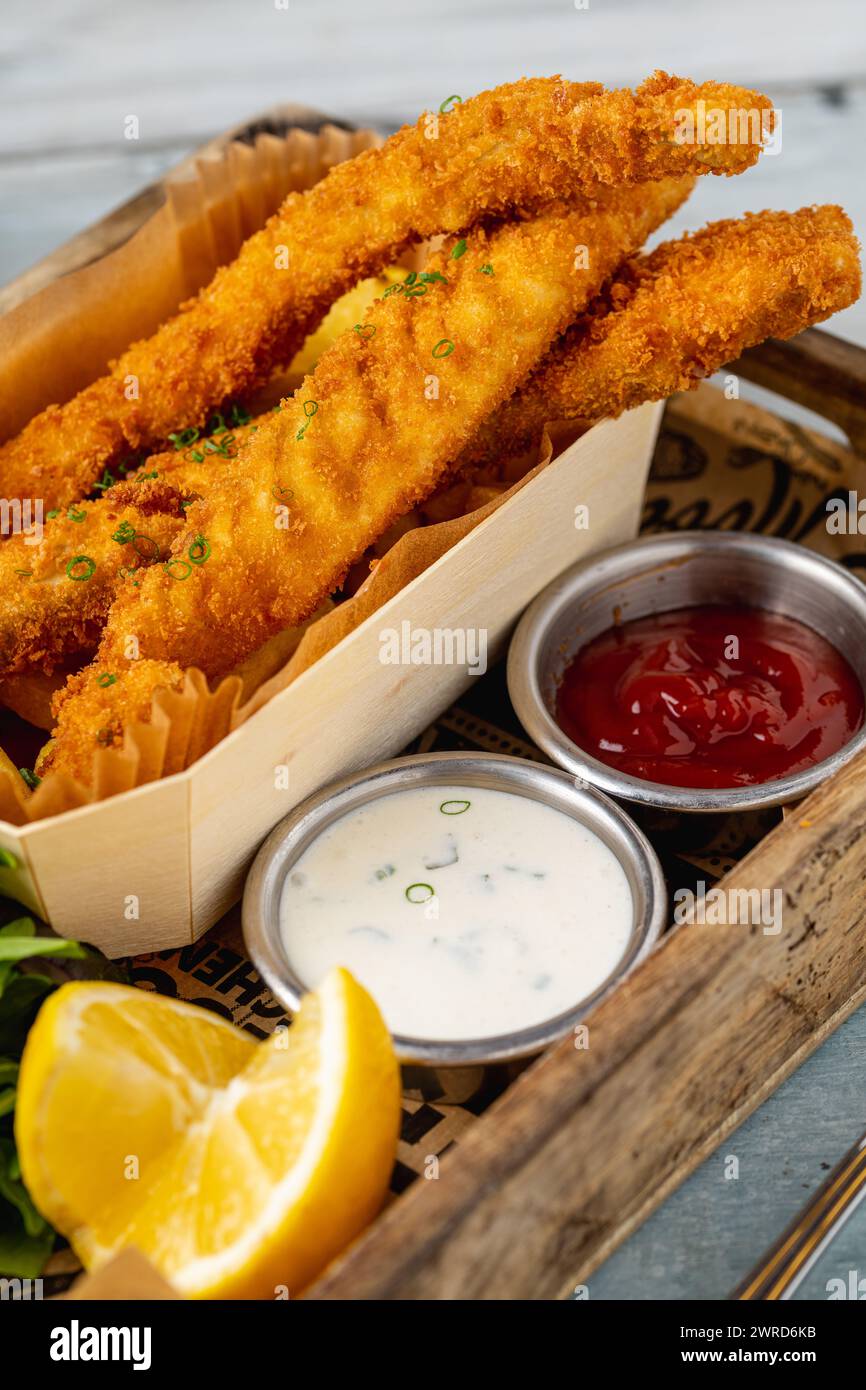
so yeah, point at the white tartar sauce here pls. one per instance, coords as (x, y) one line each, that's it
(466, 912)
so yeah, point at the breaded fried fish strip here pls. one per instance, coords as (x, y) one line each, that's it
(55, 595)
(669, 319)
(367, 436)
(519, 146)
(52, 607)
(664, 323)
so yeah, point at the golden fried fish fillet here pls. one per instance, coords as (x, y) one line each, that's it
(663, 323)
(54, 595)
(670, 319)
(516, 147)
(367, 436)
(56, 590)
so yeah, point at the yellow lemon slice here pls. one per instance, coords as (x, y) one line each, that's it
(239, 1168)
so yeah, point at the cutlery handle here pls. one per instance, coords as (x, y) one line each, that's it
(794, 1253)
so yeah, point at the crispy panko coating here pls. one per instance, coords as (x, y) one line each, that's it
(56, 594)
(669, 319)
(51, 610)
(663, 323)
(517, 147)
(366, 437)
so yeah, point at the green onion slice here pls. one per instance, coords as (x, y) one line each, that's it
(458, 807)
(152, 554)
(199, 551)
(426, 892)
(443, 348)
(81, 560)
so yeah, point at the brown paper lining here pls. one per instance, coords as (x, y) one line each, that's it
(63, 337)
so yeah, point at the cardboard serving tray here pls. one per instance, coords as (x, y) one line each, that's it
(155, 867)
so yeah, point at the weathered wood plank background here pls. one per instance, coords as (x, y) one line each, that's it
(71, 71)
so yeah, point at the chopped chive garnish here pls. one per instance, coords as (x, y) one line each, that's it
(365, 330)
(427, 893)
(448, 104)
(282, 494)
(458, 251)
(25, 574)
(443, 348)
(105, 680)
(240, 416)
(124, 533)
(432, 277)
(169, 569)
(52, 514)
(80, 560)
(76, 514)
(183, 438)
(30, 778)
(310, 408)
(460, 807)
(199, 551)
(486, 269)
(152, 554)
(411, 277)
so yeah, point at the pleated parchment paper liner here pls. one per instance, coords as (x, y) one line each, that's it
(64, 336)
(185, 724)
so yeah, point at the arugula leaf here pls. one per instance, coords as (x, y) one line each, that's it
(18, 941)
(26, 1238)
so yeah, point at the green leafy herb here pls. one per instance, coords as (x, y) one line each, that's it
(458, 251)
(26, 1239)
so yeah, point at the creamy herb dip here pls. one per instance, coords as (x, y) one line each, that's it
(466, 912)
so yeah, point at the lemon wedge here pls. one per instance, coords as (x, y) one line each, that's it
(240, 1169)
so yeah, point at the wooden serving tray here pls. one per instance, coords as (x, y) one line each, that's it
(587, 1142)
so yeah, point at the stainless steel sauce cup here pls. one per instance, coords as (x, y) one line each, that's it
(452, 1071)
(657, 574)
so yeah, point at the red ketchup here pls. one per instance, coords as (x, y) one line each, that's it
(710, 697)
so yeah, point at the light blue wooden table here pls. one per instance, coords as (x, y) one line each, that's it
(71, 71)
